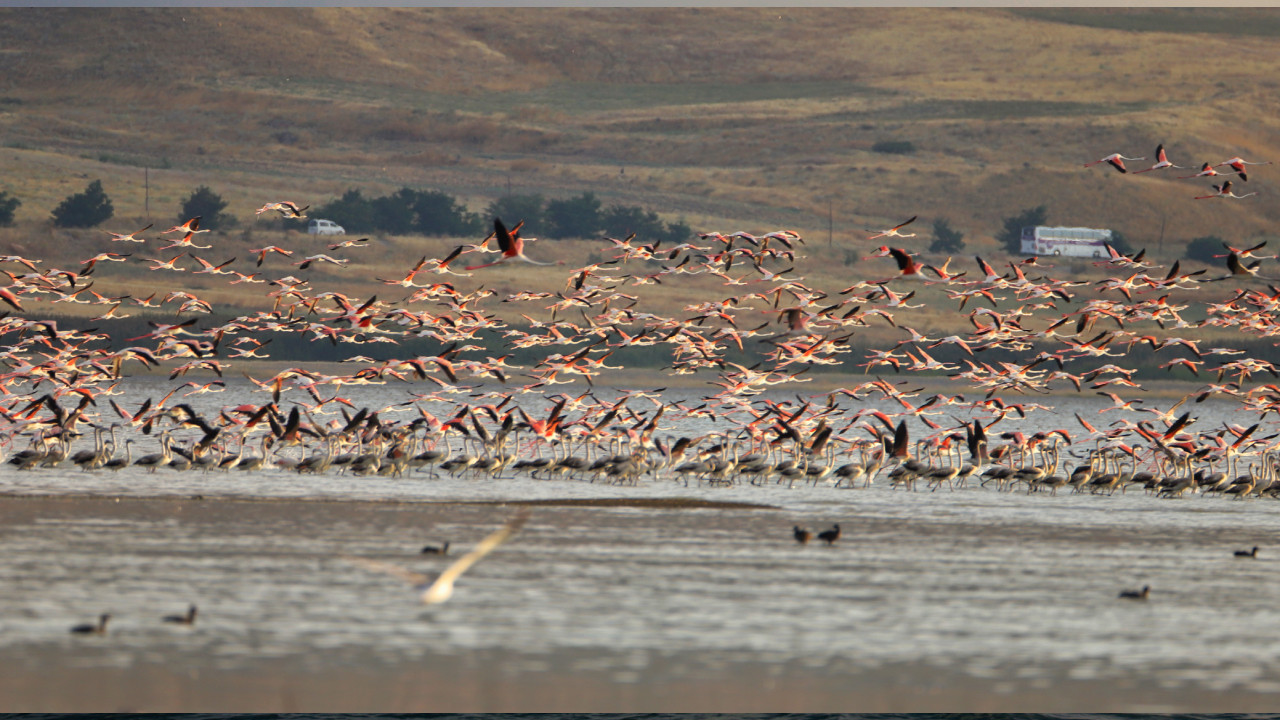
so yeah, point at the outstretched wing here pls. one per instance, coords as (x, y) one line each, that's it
(464, 563)
(413, 578)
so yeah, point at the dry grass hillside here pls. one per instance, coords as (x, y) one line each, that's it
(729, 119)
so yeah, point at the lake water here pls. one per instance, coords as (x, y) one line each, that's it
(1010, 590)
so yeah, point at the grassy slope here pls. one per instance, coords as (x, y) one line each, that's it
(731, 119)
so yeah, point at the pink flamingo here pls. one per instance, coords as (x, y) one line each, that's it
(512, 246)
(906, 264)
(1237, 164)
(893, 231)
(1206, 170)
(128, 237)
(1116, 160)
(1224, 191)
(1162, 162)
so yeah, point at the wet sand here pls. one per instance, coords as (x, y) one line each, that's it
(51, 680)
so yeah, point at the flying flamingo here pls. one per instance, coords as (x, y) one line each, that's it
(893, 231)
(512, 246)
(1238, 164)
(285, 208)
(906, 264)
(262, 252)
(1206, 170)
(1224, 191)
(1162, 162)
(189, 227)
(1116, 160)
(128, 237)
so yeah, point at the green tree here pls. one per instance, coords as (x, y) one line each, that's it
(677, 232)
(1204, 249)
(85, 209)
(441, 214)
(7, 206)
(529, 208)
(945, 238)
(619, 221)
(206, 205)
(394, 213)
(352, 211)
(1011, 236)
(574, 218)
(1121, 243)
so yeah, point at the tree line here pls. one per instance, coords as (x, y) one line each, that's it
(434, 213)
(404, 212)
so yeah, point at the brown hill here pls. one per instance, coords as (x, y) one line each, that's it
(729, 118)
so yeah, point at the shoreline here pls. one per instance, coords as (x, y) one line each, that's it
(577, 680)
(673, 503)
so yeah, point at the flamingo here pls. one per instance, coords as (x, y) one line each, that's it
(1238, 164)
(512, 246)
(349, 243)
(1116, 160)
(128, 237)
(285, 208)
(262, 252)
(1206, 170)
(1162, 162)
(893, 231)
(1224, 191)
(907, 265)
(190, 227)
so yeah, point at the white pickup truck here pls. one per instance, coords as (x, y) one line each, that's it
(325, 227)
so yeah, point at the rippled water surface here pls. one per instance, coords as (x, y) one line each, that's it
(990, 585)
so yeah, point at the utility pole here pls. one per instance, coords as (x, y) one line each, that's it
(146, 190)
(830, 223)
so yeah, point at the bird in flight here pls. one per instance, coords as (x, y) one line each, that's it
(512, 246)
(1238, 164)
(1116, 160)
(442, 588)
(1224, 191)
(128, 237)
(285, 208)
(893, 231)
(1162, 162)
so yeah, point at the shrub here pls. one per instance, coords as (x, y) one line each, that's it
(1011, 236)
(7, 206)
(574, 218)
(394, 213)
(85, 209)
(1120, 243)
(206, 205)
(529, 208)
(1204, 249)
(678, 232)
(441, 214)
(352, 211)
(619, 221)
(945, 238)
(894, 147)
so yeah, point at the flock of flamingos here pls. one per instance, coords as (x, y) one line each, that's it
(1069, 335)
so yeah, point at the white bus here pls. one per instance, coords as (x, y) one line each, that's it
(1065, 241)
